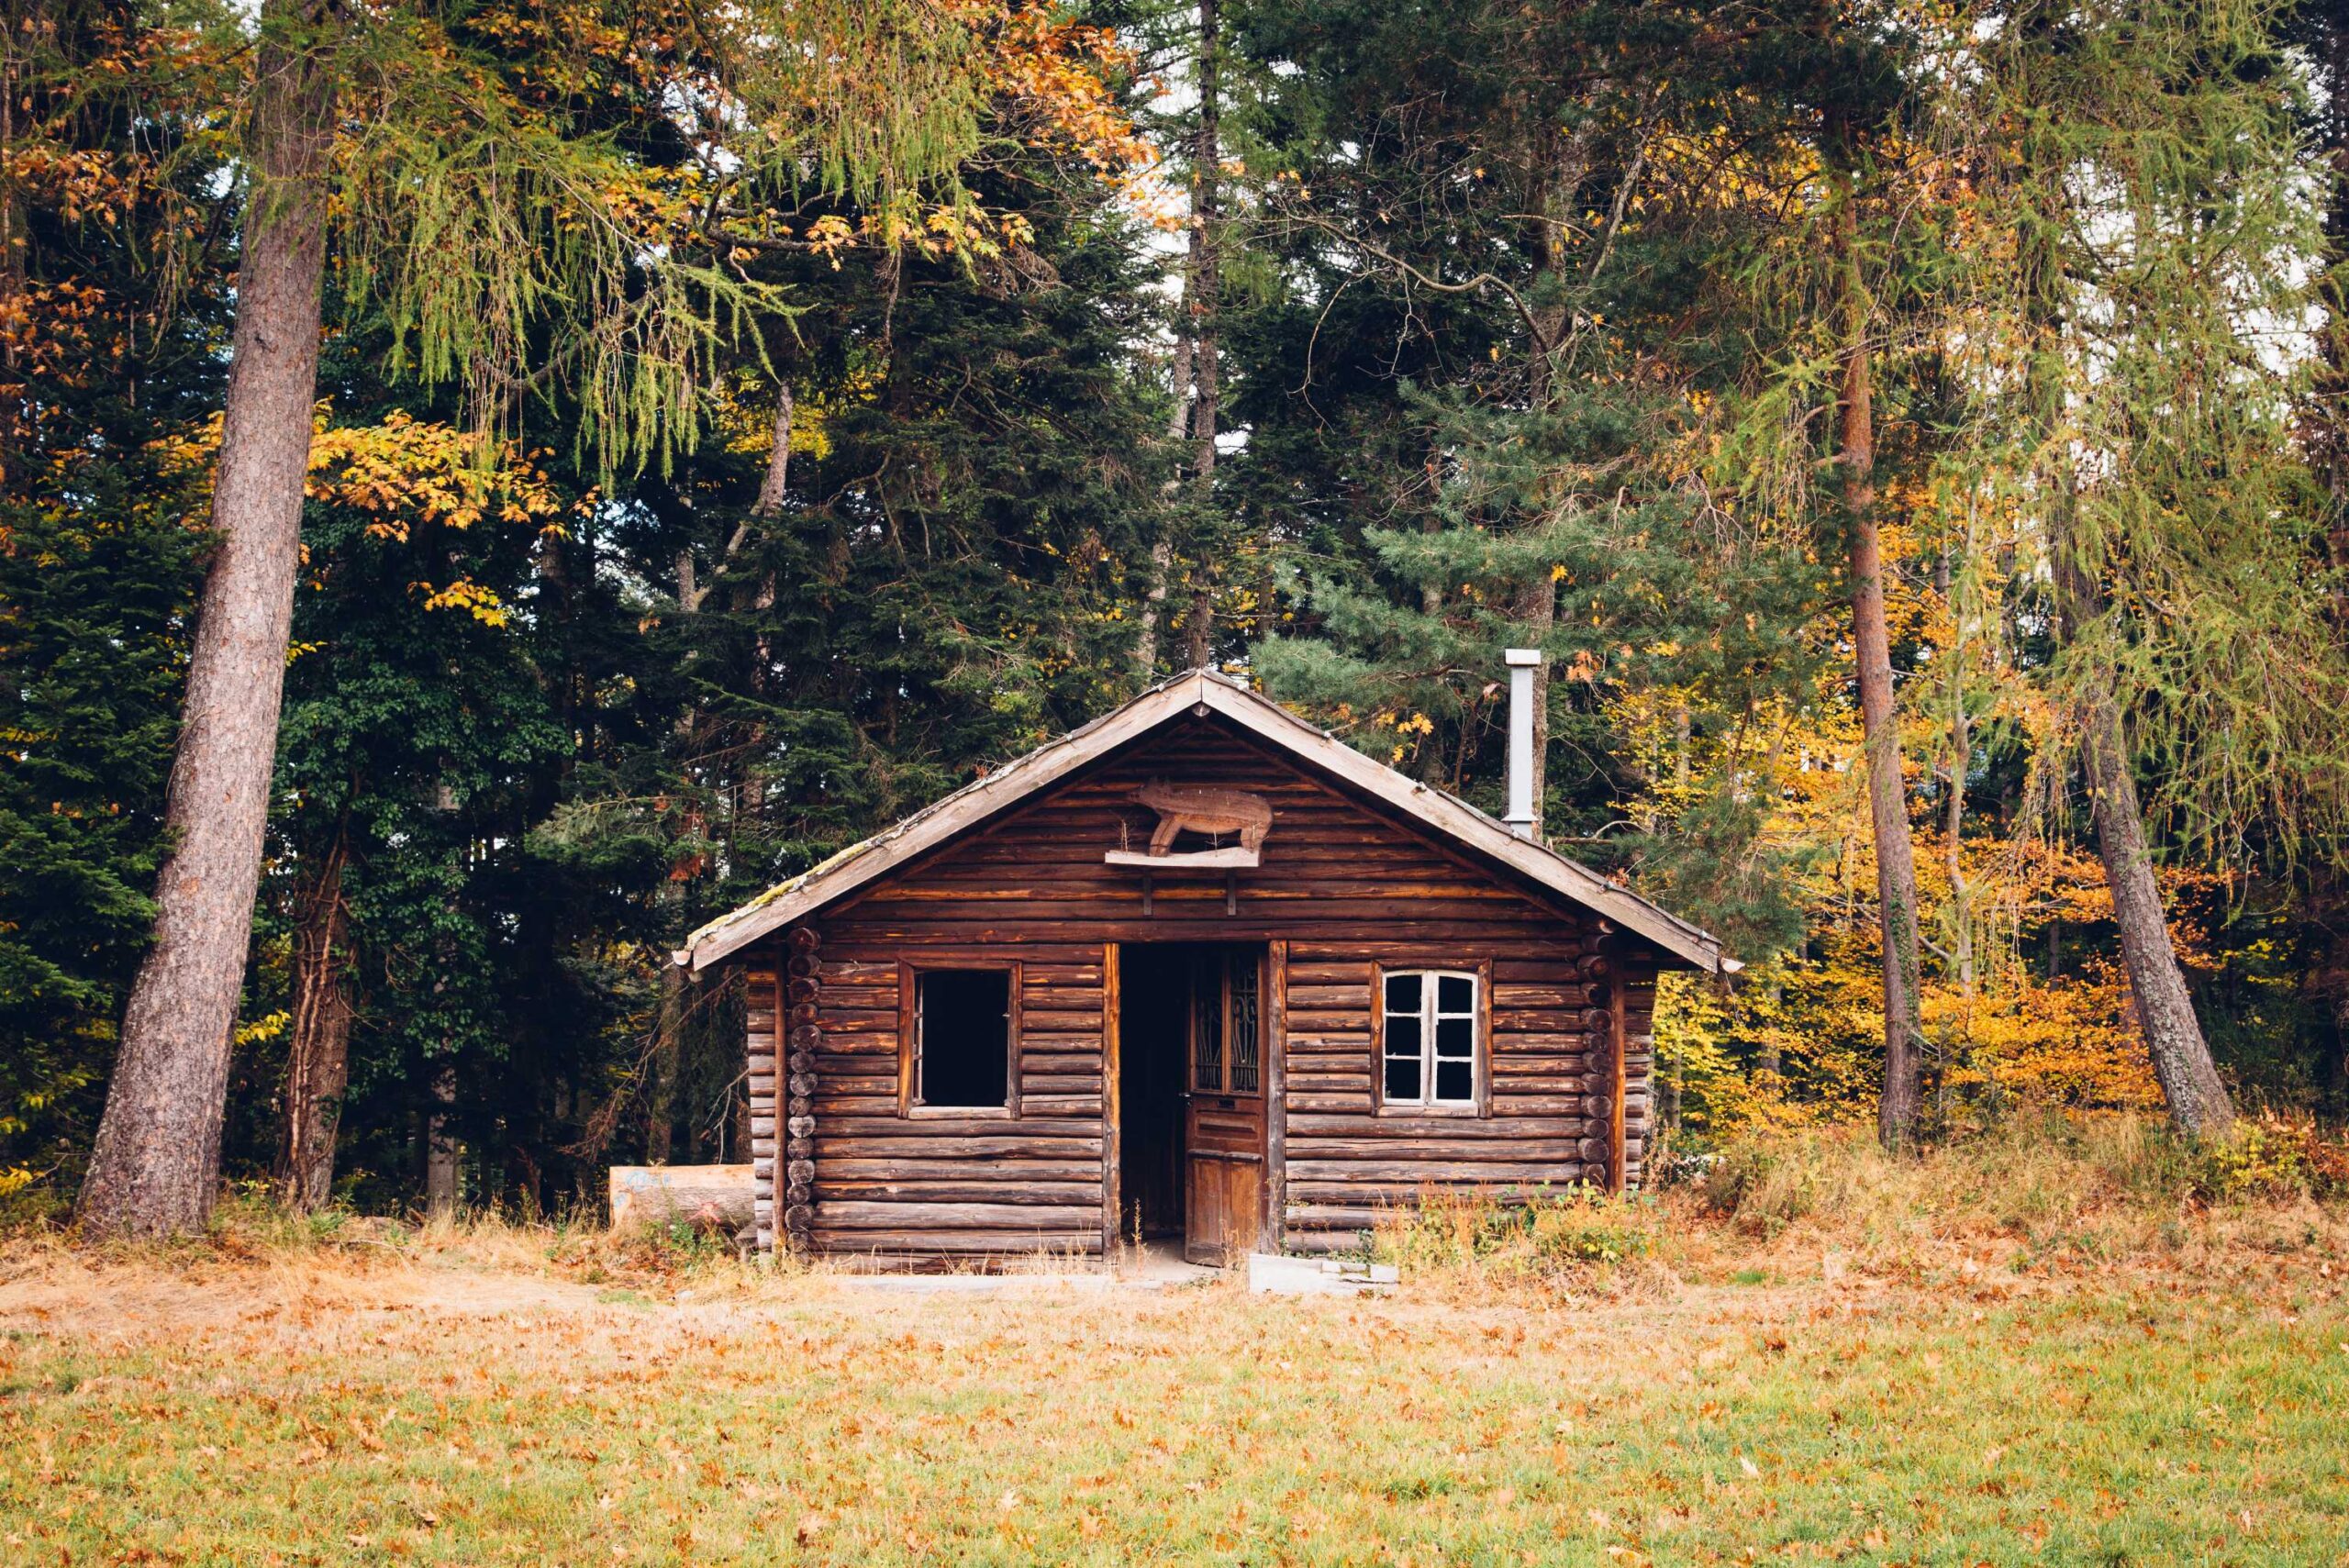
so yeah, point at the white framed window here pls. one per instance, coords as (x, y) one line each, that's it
(1428, 1022)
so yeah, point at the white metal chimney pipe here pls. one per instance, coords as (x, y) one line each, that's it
(1522, 663)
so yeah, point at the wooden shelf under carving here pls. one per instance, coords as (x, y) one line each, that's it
(1233, 858)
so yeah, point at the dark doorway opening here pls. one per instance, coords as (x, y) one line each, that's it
(1153, 1043)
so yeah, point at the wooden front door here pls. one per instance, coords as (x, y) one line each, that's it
(1224, 1107)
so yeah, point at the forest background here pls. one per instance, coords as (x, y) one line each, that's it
(1337, 345)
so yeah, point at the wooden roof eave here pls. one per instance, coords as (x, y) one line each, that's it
(861, 863)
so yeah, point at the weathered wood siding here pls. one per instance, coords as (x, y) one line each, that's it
(1345, 885)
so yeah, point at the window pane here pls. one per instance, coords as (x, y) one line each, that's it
(1403, 1036)
(966, 1038)
(1455, 1081)
(1244, 1053)
(1207, 1029)
(1403, 993)
(1455, 993)
(1402, 1080)
(1455, 1038)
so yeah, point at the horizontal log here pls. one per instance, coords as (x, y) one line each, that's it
(1042, 1085)
(1450, 937)
(858, 1168)
(1336, 1217)
(834, 1102)
(950, 1147)
(1406, 1174)
(949, 1126)
(653, 1194)
(1064, 1195)
(1304, 1152)
(1063, 1105)
(865, 1214)
(1507, 1108)
(882, 1245)
(1477, 1130)
(1321, 1244)
(1337, 1104)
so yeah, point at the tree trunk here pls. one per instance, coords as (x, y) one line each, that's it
(1162, 550)
(778, 482)
(441, 1148)
(156, 1163)
(1896, 865)
(2196, 1095)
(1961, 762)
(318, 1069)
(2190, 1079)
(660, 1094)
(1204, 288)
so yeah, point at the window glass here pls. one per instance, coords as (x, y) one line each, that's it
(1455, 1083)
(1207, 1029)
(1246, 1056)
(1455, 1038)
(1428, 1038)
(964, 1026)
(1402, 1080)
(1402, 994)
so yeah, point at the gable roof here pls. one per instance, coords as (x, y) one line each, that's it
(1460, 823)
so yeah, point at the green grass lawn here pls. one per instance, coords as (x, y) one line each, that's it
(296, 1416)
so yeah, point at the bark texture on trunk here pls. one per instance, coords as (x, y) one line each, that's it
(777, 483)
(1896, 863)
(317, 1067)
(442, 1150)
(2190, 1079)
(1204, 289)
(660, 1093)
(1162, 550)
(155, 1165)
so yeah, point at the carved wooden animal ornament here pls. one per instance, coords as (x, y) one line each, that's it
(1205, 811)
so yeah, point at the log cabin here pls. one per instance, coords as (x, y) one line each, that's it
(1196, 971)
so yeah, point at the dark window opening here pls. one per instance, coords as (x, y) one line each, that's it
(966, 1034)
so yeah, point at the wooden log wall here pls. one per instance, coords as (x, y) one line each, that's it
(1639, 1071)
(803, 1043)
(1346, 885)
(760, 1010)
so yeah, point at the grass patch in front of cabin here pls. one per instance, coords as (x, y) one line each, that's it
(418, 1416)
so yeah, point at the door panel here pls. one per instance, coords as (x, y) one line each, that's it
(1224, 1114)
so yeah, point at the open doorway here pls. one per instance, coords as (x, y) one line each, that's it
(1191, 1096)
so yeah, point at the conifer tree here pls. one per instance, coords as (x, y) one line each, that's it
(2152, 189)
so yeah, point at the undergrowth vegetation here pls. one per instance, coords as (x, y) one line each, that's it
(2037, 1191)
